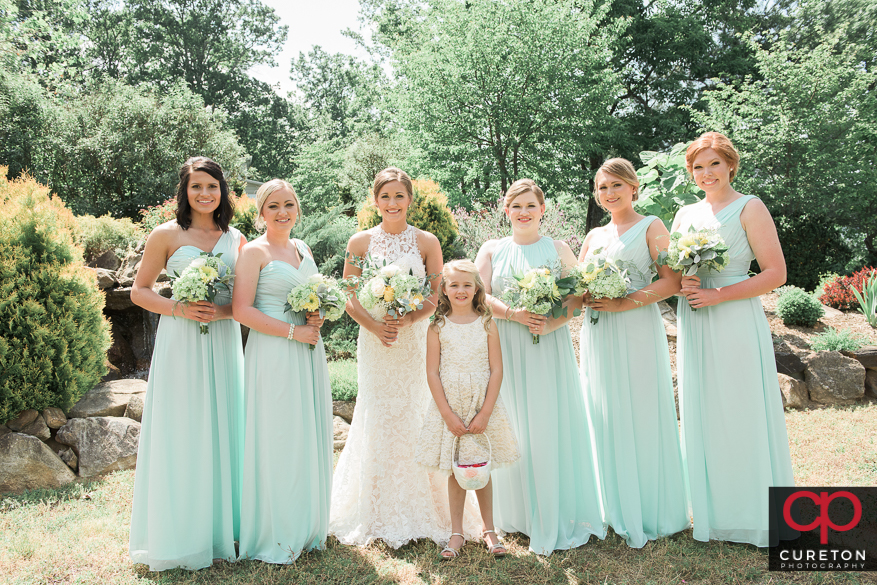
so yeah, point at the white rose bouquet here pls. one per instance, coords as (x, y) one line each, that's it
(200, 281)
(540, 290)
(389, 286)
(602, 277)
(320, 293)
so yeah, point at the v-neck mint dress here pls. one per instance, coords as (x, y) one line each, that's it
(733, 426)
(628, 383)
(551, 494)
(288, 452)
(187, 485)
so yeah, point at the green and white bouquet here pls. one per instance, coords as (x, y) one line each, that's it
(320, 293)
(389, 286)
(688, 253)
(540, 290)
(200, 280)
(602, 277)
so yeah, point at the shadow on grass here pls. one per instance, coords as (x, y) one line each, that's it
(76, 490)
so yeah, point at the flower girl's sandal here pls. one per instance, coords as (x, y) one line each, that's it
(498, 550)
(454, 552)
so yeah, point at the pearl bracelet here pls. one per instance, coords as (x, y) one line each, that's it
(291, 331)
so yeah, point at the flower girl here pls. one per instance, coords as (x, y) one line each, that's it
(464, 369)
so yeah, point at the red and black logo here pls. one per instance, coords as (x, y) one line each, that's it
(824, 529)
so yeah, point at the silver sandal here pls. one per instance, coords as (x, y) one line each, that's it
(455, 552)
(498, 550)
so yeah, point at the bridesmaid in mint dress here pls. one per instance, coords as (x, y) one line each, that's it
(551, 494)
(187, 486)
(733, 425)
(288, 448)
(626, 371)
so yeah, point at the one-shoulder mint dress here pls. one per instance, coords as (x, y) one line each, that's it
(628, 383)
(187, 485)
(551, 494)
(288, 452)
(733, 426)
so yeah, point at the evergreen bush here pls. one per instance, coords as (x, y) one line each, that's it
(98, 235)
(429, 211)
(342, 377)
(834, 340)
(53, 336)
(798, 307)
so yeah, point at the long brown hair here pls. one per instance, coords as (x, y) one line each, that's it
(479, 301)
(223, 214)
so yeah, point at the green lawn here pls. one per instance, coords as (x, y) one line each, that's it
(79, 534)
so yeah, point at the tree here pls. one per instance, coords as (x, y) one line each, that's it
(495, 91)
(807, 134)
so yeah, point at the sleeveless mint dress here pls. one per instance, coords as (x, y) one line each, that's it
(187, 485)
(628, 384)
(288, 450)
(733, 426)
(551, 494)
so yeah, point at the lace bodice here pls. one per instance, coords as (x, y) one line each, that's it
(464, 350)
(400, 249)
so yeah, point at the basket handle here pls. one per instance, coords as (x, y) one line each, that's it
(457, 442)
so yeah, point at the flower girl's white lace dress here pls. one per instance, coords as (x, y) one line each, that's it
(379, 491)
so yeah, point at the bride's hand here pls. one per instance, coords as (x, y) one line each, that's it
(385, 332)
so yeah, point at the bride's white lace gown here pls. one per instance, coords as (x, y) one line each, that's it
(379, 491)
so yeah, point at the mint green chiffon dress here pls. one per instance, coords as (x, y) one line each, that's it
(551, 494)
(628, 383)
(188, 481)
(733, 426)
(288, 451)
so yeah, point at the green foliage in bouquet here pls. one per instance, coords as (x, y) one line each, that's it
(664, 184)
(798, 307)
(53, 336)
(429, 211)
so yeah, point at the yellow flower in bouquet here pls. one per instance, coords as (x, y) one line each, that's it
(389, 294)
(313, 302)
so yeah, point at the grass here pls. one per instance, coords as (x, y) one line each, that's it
(79, 534)
(342, 376)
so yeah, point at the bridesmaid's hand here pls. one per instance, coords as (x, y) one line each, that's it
(609, 305)
(307, 334)
(201, 311)
(690, 284)
(703, 297)
(455, 425)
(314, 319)
(535, 323)
(478, 424)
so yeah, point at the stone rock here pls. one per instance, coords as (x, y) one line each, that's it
(831, 312)
(867, 356)
(134, 410)
(113, 373)
(162, 276)
(4, 429)
(107, 399)
(870, 383)
(344, 409)
(163, 288)
(794, 391)
(833, 378)
(38, 428)
(340, 429)
(105, 278)
(336, 445)
(789, 363)
(54, 417)
(106, 261)
(27, 463)
(128, 269)
(120, 354)
(103, 444)
(55, 446)
(23, 419)
(119, 299)
(70, 458)
(668, 315)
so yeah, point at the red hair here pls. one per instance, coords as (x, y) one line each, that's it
(719, 143)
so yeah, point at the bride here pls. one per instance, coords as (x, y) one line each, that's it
(379, 491)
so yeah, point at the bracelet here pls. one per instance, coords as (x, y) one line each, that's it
(291, 331)
(507, 309)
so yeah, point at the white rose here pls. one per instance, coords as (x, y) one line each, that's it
(198, 262)
(315, 278)
(377, 287)
(390, 271)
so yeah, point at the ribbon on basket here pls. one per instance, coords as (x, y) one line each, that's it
(472, 477)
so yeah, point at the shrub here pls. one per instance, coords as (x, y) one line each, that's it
(812, 246)
(797, 307)
(326, 234)
(834, 340)
(97, 235)
(155, 215)
(245, 217)
(342, 376)
(53, 336)
(429, 212)
(838, 293)
(339, 337)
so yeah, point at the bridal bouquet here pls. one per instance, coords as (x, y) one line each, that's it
(320, 293)
(540, 290)
(200, 280)
(389, 286)
(602, 277)
(688, 253)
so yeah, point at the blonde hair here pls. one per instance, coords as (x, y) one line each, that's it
(718, 142)
(388, 175)
(262, 195)
(621, 168)
(520, 187)
(479, 301)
